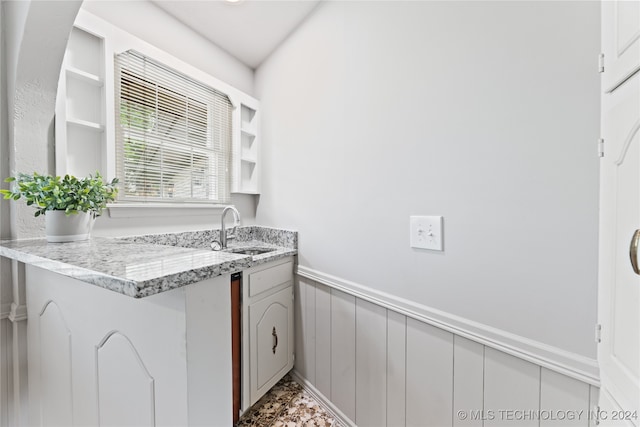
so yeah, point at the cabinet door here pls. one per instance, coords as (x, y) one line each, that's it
(620, 41)
(271, 341)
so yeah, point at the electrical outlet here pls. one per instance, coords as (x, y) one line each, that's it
(426, 232)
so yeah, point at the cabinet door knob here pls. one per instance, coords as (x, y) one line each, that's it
(275, 340)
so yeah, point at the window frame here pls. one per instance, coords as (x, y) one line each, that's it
(169, 95)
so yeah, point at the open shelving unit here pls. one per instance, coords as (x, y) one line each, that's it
(80, 115)
(246, 155)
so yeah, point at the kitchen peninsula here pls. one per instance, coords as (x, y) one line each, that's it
(138, 330)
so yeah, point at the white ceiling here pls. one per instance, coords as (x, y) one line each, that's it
(249, 29)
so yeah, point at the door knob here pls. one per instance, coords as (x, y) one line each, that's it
(633, 251)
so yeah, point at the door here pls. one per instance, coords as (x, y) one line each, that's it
(620, 41)
(619, 284)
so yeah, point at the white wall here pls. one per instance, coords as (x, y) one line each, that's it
(484, 112)
(148, 22)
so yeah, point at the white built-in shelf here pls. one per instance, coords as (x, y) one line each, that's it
(85, 124)
(247, 163)
(85, 76)
(81, 132)
(248, 132)
(248, 115)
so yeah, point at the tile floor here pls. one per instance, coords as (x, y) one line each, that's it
(287, 405)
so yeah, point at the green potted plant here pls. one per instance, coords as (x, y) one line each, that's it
(70, 205)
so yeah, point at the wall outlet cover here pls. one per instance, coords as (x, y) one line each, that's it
(426, 232)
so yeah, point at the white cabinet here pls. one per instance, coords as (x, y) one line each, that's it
(267, 328)
(97, 357)
(270, 323)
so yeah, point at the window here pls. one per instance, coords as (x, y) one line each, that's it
(173, 134)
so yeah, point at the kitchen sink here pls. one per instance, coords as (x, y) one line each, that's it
(250, 251)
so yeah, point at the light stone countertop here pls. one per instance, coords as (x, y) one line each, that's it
(141, 266)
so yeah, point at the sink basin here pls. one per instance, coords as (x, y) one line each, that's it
(250, 251)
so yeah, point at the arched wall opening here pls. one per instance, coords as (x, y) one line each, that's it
(36, 35)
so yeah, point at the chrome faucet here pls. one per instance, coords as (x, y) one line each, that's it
(224, 238)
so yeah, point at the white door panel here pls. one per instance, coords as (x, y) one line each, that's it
(620, 41)
(619, 285)
(610, 414)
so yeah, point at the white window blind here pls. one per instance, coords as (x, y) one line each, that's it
(173, 134)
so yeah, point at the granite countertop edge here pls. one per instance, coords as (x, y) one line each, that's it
(149, 267)
(118, 284)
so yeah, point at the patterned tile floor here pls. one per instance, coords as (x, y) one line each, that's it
(287, 405)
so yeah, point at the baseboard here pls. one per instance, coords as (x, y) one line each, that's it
(326, 404)
(567, 363)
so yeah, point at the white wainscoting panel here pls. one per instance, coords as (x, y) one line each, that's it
(387, 368)
(371, 364)
(429, 375)
(55, 368)
(563, 401)
(468, 382)
(343, 352)
(310, 336)
(396, 368)
(300, 288)
(323, 336)
(510, 384)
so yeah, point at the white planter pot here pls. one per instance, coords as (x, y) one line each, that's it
(68, 228)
